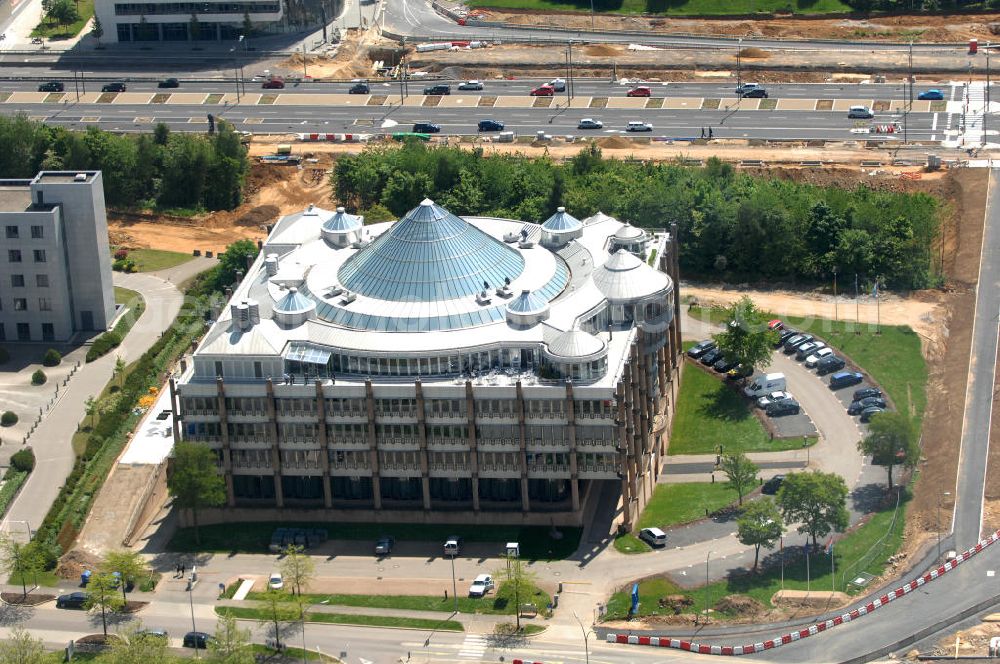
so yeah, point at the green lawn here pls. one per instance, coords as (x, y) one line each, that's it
(151, 260)
(348, 619)
(629, 544)
(890, 355)
(292, 654)
(673, 7)
(46, 579)
(710, 413)
(674, 504)
(49, 30)
(853, 553)
(254, 537)
(126, 296)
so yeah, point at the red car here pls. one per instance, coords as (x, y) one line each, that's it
(775, 324)
(273, 84)
(543, 91)
(641, 91)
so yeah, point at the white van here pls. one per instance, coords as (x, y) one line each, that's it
(765, 384)
(452, 546)
(653, 536)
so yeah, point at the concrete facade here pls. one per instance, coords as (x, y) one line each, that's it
(128, 21)
(55, 262)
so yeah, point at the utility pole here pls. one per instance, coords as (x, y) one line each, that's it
(836, 316)
(305, 71)
(739, 73)
(909, 93)
(986, 109)
(592, 28)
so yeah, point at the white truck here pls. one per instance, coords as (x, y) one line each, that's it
(765, 384)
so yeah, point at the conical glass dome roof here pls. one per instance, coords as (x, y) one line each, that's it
(429, 255)
(562, 222)
(527, 302)
(342, 221)
(293, 302)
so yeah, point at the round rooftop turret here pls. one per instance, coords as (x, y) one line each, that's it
(293, 308)
(527, 309)
(625, 277)
(575, 345)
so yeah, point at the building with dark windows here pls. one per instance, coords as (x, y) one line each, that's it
(155, 20)
(55, 263)
(439, 368)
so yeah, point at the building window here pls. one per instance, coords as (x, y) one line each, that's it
(124, 31)
(258, 370)
(23, 332)
(39, 255)
(48, 332)
(14, 255)
(42, 280)
(12, 233)
(20, 304)
(17, 281)
(218, 368)
(3, 333)
(37, 233)
(44, 304)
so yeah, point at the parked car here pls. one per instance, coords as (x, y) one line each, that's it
(481, 585)
(771, 486)
(860, 112)
(775, 324)
(275, 83)
(197, 640)
(275, 582)
(169, 83)
(868, 413)
(653, 536)
(590, 123)
(75, 600)
(759, 93)
(116, 86)
(437, 90)
(724, 364)
(471, 85)
(360, 89)
(845, 379)
(807, 349)
(931, 95)
(739, 372)
(784, 335)
(158, 634)
(384, 544)
(543, 91)
(490, 125)
(783, 407)
(865, 392)
(773, 397)
(857, 407)
(744, 88)
(793, 343)
(51, 86)
(639, 91)
(830, 364)
(711, 357)
(558, 84)
(700, 348)
(818, 355)
(452, 546)
(426, 128)
(637, 125)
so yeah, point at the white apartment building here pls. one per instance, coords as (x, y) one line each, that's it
(127, 21)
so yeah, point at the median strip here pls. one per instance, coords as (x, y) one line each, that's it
(349, 619)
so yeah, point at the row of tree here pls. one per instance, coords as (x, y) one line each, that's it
(161, 168)
(731, 225)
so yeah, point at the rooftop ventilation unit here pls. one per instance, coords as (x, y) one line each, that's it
(246, 314)
(80, 177)
(271, 264)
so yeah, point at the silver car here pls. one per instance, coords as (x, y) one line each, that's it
(590, 123)
(471, 85)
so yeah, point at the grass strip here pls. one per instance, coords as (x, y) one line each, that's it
(630, 544)
(674, 504)
(151, 260)
(735, 8)
(12, 483)
(350, 619)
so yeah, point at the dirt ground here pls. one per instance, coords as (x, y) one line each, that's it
(968, 642)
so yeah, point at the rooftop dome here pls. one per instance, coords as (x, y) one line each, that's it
(293, 302)
(562, 222)
(625, 277)
(429, 255)
(527, 302)
(342, 222)
(629, 232)
(575, 344)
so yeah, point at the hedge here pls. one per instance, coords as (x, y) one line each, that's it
(23, 460)
(52, 358)
(39, 377)
(8, 419)
(108, 341)
(13, 480)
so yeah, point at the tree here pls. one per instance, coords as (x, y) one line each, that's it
(161, 133)
(517, 576)
(22, 648)
(278, 612)
(816, 500)
(741, 473)
(891, 441)
(39, 377)
(759, 525)
(194, 480)
(119, 370)
(20, 560)
(102, 595)
(234, 260)
(136, 647)
(231, 644)
(90, 409)
(63, 12)
(129, 565)
(247, 26)
(97, 29)
(746, 338)
(194, 28)
(297, 569)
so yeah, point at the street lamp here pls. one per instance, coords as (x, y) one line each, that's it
(325, 601)
(938, 513)
(587, 633)
(454, 586)
(707, 556)
(194, 628)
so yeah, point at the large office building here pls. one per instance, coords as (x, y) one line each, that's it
(55, 263)
(126, 21)
(439, 368)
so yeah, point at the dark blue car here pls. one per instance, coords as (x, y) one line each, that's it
(931, 95)
(845, 379)
(490, 125)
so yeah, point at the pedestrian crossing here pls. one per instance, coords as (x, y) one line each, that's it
(975, 109)
(473, 647)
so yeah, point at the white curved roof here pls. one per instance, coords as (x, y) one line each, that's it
(575, 343)
(629, 232)
(562, 222)
(625, 277)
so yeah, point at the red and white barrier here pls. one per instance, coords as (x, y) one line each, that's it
(816, 628)
(334, 138)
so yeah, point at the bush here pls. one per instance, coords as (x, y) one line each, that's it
(103, 345)
(121, 254)
(23, 460)
(8, 419)
(52, 358)
(4, 356)
(38, 378)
